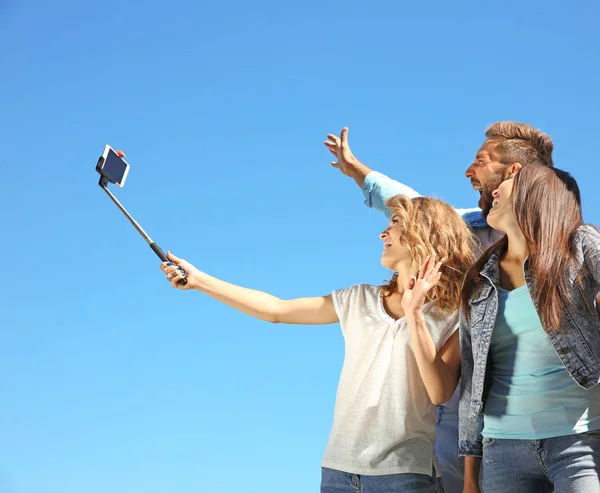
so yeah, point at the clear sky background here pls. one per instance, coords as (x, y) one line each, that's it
(113, 382)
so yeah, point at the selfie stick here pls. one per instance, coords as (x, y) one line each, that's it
(155, 248)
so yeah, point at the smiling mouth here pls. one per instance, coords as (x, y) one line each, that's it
(477, 187)
(495, 203)
(387, 244)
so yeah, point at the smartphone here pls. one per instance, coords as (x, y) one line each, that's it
(113, 167)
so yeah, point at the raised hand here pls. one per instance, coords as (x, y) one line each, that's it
(346, 162)
(416, 291)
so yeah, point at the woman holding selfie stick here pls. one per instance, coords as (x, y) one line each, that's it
(530, 337)
(402, 348)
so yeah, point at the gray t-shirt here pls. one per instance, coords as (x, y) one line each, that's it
(384, 421)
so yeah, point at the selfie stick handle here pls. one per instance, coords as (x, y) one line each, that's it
(155, 248)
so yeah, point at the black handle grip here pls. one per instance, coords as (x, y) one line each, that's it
(161, 255)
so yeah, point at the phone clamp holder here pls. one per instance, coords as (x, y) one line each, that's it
(103, 183)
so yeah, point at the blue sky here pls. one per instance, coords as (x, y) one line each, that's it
(114, 382)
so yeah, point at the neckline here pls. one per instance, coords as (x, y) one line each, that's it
(508, 291)
(386, 316)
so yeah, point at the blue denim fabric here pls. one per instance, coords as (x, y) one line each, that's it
(446, 450)
(577, 340)
(333, 481)
(569, 464)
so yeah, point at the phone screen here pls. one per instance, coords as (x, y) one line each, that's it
(114, 167)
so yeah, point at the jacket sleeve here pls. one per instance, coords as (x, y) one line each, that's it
(469, 427)
(590, 245)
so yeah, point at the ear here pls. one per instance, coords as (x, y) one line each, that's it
(513, 168)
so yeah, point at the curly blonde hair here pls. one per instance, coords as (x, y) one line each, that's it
(433, 227)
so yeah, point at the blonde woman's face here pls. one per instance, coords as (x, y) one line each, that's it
(395, 253)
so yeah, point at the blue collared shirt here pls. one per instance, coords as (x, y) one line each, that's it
(377, 188)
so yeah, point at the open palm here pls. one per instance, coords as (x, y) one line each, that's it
(339, 147)
(416, 292)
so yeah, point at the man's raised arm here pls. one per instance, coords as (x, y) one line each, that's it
(377, 187)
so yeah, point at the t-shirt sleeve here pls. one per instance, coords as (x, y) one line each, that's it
(450, 326)
(342, 301)
(351, 306)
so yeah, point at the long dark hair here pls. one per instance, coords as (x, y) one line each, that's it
(547, 205)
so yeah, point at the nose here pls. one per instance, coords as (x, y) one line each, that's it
(469, 173)
(495, 193)
(384, 234)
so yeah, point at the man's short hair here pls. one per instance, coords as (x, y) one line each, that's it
(521, 143)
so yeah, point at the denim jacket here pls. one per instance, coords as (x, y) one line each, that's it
(576, 342)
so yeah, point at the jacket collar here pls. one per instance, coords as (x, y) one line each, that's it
(491, 269)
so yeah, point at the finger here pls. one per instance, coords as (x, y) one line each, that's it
(121, 154)
(430, 266)
(334, 140)
(411, 283)
(175, 280)
(165, 266)
(344, 136)
(333, 151)
(184, 264)
(423, 267)
(435, 271)
(173, 258)
(335, 164)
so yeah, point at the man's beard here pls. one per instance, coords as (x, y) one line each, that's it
(486, 199)
(485, 202)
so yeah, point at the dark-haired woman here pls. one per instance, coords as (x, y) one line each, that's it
(530, 342)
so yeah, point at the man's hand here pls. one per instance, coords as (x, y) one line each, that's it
(346, 162)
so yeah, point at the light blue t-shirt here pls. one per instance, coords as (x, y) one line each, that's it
(531, 394)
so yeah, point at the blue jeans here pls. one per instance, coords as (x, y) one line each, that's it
(446, 450)
(568, 464)
(333, 481)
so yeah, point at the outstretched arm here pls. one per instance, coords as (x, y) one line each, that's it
(377, 187)
(318, 310)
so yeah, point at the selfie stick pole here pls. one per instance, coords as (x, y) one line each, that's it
(155, 248)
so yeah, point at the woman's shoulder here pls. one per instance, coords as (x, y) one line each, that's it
(587, 231)
(363, 290)
(587, 237)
